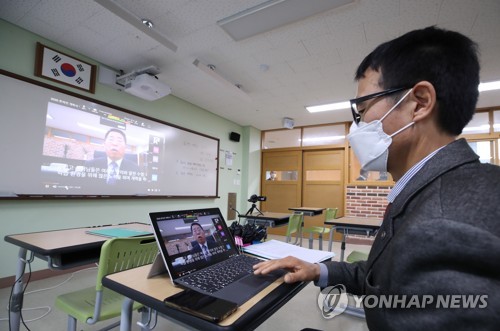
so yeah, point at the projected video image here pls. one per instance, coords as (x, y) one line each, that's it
(89, 148)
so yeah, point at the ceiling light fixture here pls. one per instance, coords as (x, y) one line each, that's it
(489, 86)
(209, 69)
(137, 22)
(273, 14)
(328, 107)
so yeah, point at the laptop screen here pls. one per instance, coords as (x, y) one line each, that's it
(190, 240)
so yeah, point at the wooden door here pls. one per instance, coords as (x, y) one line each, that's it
(323, 182)
(281, 183)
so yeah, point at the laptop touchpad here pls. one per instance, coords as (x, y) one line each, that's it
(254, 280)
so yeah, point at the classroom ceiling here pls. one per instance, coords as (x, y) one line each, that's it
(307, 62)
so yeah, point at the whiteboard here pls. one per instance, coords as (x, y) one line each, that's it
(55, 143)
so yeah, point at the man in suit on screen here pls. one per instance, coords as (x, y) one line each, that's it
(115, 142)
(203, 244)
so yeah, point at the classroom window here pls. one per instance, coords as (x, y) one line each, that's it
(287, 175)
(323, 135)
(496, 121)
(479, 124)
(485, 150)
(281, 138)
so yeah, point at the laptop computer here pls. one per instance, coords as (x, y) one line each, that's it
(180, 236)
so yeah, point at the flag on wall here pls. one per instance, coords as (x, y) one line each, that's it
(65, 69)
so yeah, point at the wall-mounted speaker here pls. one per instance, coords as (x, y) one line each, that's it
(234, 136)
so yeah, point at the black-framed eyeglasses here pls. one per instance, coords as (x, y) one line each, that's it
(356, 115)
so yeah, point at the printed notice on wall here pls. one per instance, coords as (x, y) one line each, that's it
(229, 159)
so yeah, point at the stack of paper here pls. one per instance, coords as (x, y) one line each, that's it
(275, 249)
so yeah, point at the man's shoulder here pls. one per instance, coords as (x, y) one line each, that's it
(478, 173)
(129, 165)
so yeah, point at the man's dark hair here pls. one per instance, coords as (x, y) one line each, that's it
(195, 223)
(116, 130)
(446, 59)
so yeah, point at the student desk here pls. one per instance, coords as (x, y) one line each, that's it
(62, 249)
(135, 285)
(352, 225)
(308, 211)
(267, 219)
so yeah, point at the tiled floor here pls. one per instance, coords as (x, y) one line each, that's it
(302, 311)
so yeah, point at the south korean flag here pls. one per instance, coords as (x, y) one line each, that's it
(65, 69)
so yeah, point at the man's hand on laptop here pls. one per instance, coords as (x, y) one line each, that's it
(298, 270)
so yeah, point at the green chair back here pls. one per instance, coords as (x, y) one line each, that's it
(294, 226)
(294, 223)
(93, 304)
(356, 256)
(331, 213)
(120, 254)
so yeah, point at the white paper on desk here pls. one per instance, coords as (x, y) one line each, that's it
(275, 249)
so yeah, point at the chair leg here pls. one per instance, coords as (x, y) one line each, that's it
(320, 239)
(330, 238)
(110, 327)
(126, 314)
(311, 240)
(71, 323)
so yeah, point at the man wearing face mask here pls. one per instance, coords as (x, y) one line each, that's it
(441, 233)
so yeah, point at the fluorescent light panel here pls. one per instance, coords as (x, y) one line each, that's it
(273, 14)
(490, 86)
(328, 107)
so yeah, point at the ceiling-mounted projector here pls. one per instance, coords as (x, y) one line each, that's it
(146, 86)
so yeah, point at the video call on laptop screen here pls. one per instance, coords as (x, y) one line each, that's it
(182, 237)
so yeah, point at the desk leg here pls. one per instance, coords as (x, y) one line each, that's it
(16, 303)
(342, 247)
(330, 239)
(126, 316)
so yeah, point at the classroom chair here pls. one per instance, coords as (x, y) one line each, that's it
(356, 256)
(95, 304)
(295, 226)
(330, 214)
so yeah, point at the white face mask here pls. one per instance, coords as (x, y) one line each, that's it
(371, 144)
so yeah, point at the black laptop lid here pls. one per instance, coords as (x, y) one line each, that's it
(181, 250)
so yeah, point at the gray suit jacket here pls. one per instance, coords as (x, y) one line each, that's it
(440, 236)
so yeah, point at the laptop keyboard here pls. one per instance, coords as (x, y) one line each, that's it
(215, 277)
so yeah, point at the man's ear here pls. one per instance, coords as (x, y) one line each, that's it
(425, 97)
